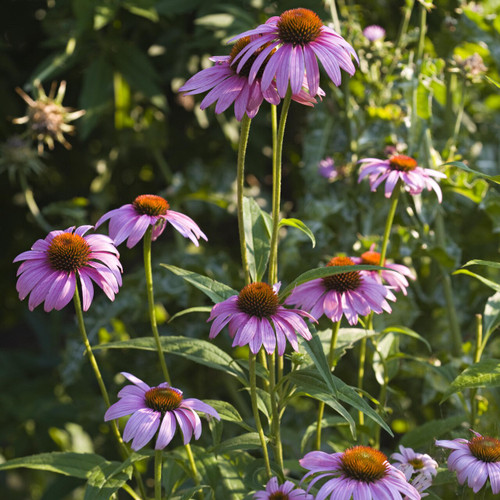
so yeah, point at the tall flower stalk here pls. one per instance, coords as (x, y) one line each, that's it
(331, 357)
(151, 301)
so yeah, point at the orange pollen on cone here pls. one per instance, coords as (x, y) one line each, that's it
(68, 252)
(279, 495)
(403, 163)
(342, 282)
(245, 70)
(363, 463)
(299, 26)
(258, 299)
(163, 399)
(150, 204)
(486, 449)
(371, 258)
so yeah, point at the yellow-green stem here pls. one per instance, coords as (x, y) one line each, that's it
(242, 147)
(192, 464)
(331, 364)
(275, 419)
(32, 205)
(97, 372)
(477, 358)
(131, 492)
(389, 221)
(277, 156)
(158, 465)
(151, 301)
(255, 409)
(361, 375)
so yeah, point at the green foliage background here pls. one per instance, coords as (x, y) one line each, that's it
(123, 61)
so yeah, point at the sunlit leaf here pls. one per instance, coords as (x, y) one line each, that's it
(491, 314)
(486, 373)
(299, 225)
(189, 311)
(403, 330)
(197, 350)
(248, 441)
(214, 289)
(463, 166)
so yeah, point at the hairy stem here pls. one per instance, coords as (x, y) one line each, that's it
(151, 301)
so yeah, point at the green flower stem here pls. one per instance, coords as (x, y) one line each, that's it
(93, 362)
(389, 221)
(151, 301)
(32, 205)
(277, 155)
(255, 409)
(158, 465)
(361, 375)
(131, 492)
(422, 24)
(192, 464)
(242, 147)
(335, 16)
(331, 364)
(275, 419)
(477, 358)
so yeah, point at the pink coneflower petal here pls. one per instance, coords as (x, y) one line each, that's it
(51, 269)
(154, 409)
(255, 318)
(400, 168)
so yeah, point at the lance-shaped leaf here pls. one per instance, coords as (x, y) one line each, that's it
(463, 166)
(299, 225)
(214, 289)
(486, 373)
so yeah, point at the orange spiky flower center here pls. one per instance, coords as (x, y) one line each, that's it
(342, 282)
(299, 26)
(258, 299)
(279, 495)
(371, 258)
(68, 252)
(163, 399)
(403, 163)
(245, 70)
(363, 463)
(486, 449)
(150, 204)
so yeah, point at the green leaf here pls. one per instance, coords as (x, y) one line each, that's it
(310, 383)
(142, 8)
(492, 81)
(189, 311)
(228, 413)
(248, 441)
(197, 350)
(482, 279)
(299, 225)
(486, 373)
(459, 164)
(423, 102)
(215, 290)
(100, 486)
(479, 262)
(424, 435)
(492, 313)
(322, 272)
(67, 463)
(403, 330)
(257, 225)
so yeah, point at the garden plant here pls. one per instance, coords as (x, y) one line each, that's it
(251, 250)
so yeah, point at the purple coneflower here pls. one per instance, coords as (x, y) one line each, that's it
(159, 409)
(351, 294)
(396, 280)
(287, 491)
(418, 468)
(374, 32)
(358, 472)
(290, 44)
(132, 220)
(227, 86)
(326, 168)
(400, 167)
(255, 317)
(476, 461)
(51, 267)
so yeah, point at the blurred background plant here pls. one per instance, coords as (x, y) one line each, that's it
(434, 97)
